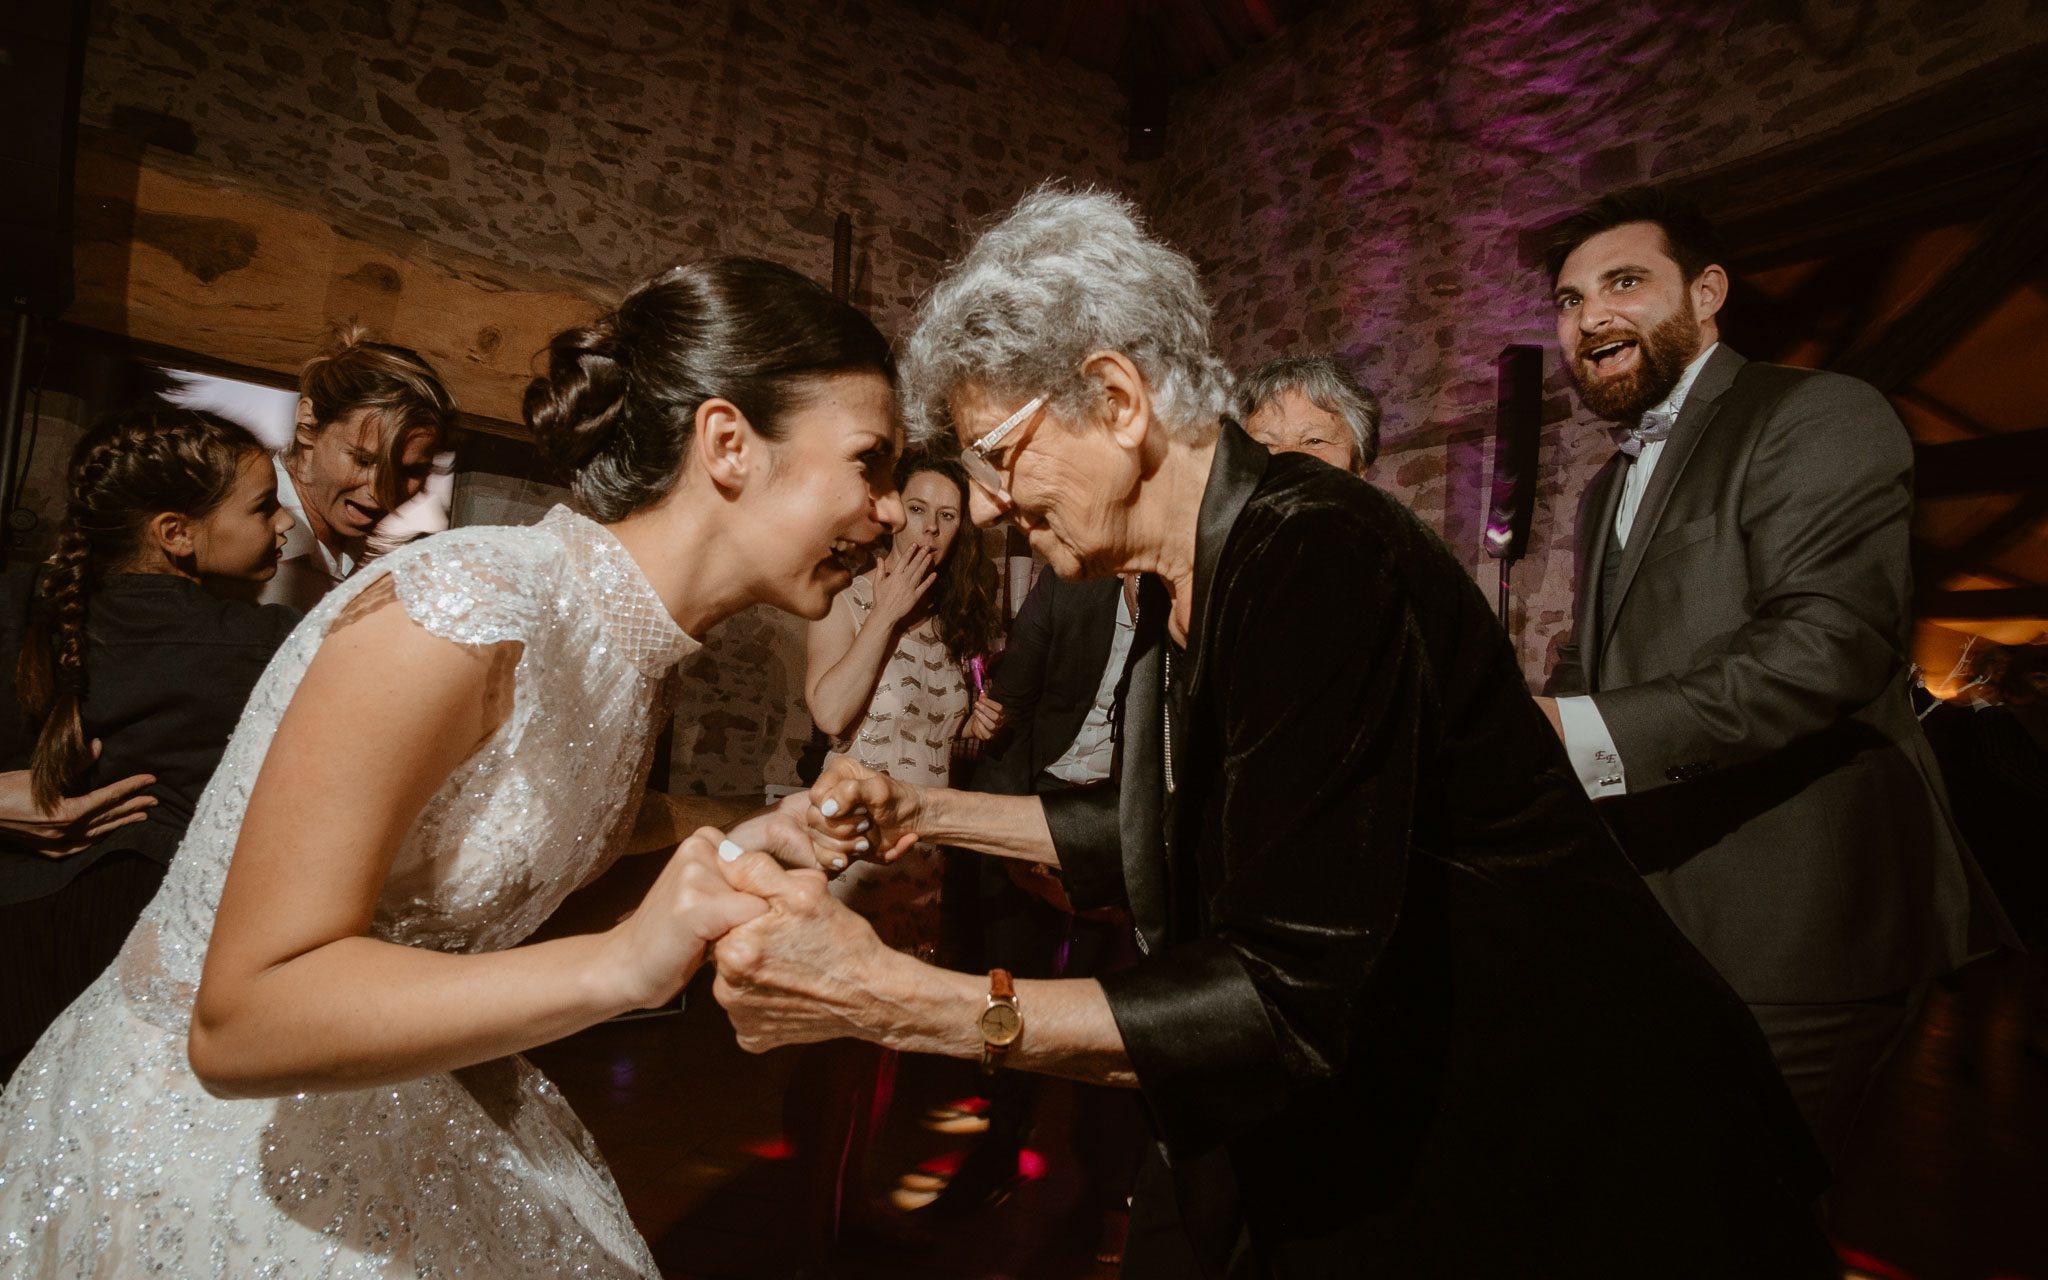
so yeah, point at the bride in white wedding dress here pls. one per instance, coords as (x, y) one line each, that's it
(304, 1061)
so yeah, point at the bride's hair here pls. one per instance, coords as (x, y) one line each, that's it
(618, 404)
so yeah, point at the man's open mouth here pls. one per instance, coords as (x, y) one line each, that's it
(1609, 356)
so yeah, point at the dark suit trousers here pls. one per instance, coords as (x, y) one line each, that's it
(1831, 1053)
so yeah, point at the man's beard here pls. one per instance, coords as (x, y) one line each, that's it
(1661, 357)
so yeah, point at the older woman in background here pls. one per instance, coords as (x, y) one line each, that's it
(371, 419)
(1312, 405)
(1405, 1009)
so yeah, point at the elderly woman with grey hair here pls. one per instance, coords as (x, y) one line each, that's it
(1312, 405)
(1403, 1006)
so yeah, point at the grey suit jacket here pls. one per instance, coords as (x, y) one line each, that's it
(1750, 661)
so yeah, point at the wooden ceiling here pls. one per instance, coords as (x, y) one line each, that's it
(1169, 43)
(1910, 249)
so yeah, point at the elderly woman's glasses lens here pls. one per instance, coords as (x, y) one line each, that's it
(975, 457)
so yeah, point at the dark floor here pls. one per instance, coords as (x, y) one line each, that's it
(1948, 1179)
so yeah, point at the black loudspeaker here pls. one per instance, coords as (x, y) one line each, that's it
(1518, 420)
(42, 66)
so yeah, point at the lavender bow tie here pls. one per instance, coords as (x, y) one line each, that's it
(1656, 425)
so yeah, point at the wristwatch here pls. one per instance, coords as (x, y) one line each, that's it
(1001, 1022)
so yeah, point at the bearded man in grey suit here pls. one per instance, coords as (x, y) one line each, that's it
(1736, 689)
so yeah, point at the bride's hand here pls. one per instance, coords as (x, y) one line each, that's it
(784, 833)
(871, 812)
(659, 946)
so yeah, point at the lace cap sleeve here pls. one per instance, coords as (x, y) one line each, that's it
(477, 586)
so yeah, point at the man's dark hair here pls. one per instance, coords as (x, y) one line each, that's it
(1691, 240)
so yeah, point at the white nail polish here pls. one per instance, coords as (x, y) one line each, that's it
(837, 863)
(863, 825)
(860, 846)
(830, 808)
(728, 851)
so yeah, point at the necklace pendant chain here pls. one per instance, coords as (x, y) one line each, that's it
(1166, 705)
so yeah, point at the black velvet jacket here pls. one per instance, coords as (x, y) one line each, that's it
(1405, 1007)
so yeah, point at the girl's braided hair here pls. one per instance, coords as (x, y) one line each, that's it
(127, 469)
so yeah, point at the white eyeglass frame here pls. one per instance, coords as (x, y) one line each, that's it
(974, 458)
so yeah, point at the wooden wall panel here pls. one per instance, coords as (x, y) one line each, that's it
(175, 253)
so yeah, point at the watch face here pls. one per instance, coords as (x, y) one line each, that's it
(1000, 1023)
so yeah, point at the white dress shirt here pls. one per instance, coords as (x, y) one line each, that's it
(1094, 747)
(1586, 739)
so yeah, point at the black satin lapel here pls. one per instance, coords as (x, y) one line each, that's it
(1142, 781)
(1234, 472)
(1588, 611)
(1701, 404)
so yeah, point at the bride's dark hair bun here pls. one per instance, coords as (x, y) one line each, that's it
(617, 406)
(573, 407)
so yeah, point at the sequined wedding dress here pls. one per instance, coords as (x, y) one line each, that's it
(115, 1161)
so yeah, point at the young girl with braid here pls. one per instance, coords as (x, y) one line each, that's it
(126, 668)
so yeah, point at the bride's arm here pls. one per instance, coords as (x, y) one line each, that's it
(296, 997)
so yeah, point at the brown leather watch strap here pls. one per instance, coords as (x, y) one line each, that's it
(1001, 1018)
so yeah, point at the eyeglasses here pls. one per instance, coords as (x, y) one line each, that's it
(975, 459)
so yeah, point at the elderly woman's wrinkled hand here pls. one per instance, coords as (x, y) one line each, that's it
(868, 813)
(798, 973)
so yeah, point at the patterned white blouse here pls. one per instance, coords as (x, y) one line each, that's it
(919, 704)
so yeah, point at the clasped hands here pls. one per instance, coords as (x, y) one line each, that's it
(794, 965)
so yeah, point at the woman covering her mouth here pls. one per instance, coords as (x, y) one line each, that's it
(371, 418)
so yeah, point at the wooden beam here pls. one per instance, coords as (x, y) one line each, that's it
(2015, 237)
(1936, 157)
(1062, 30)
(1977, 606)
(1216, 47)
(176, 254)
(1946, 152)
(2010, 463)
(1933, 566)
(1941, 409)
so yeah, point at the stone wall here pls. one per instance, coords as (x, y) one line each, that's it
(1362, 183)
(607, 138)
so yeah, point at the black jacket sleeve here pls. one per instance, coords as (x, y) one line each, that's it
(1310, 710)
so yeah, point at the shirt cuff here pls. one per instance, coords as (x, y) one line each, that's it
(1591, 748)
